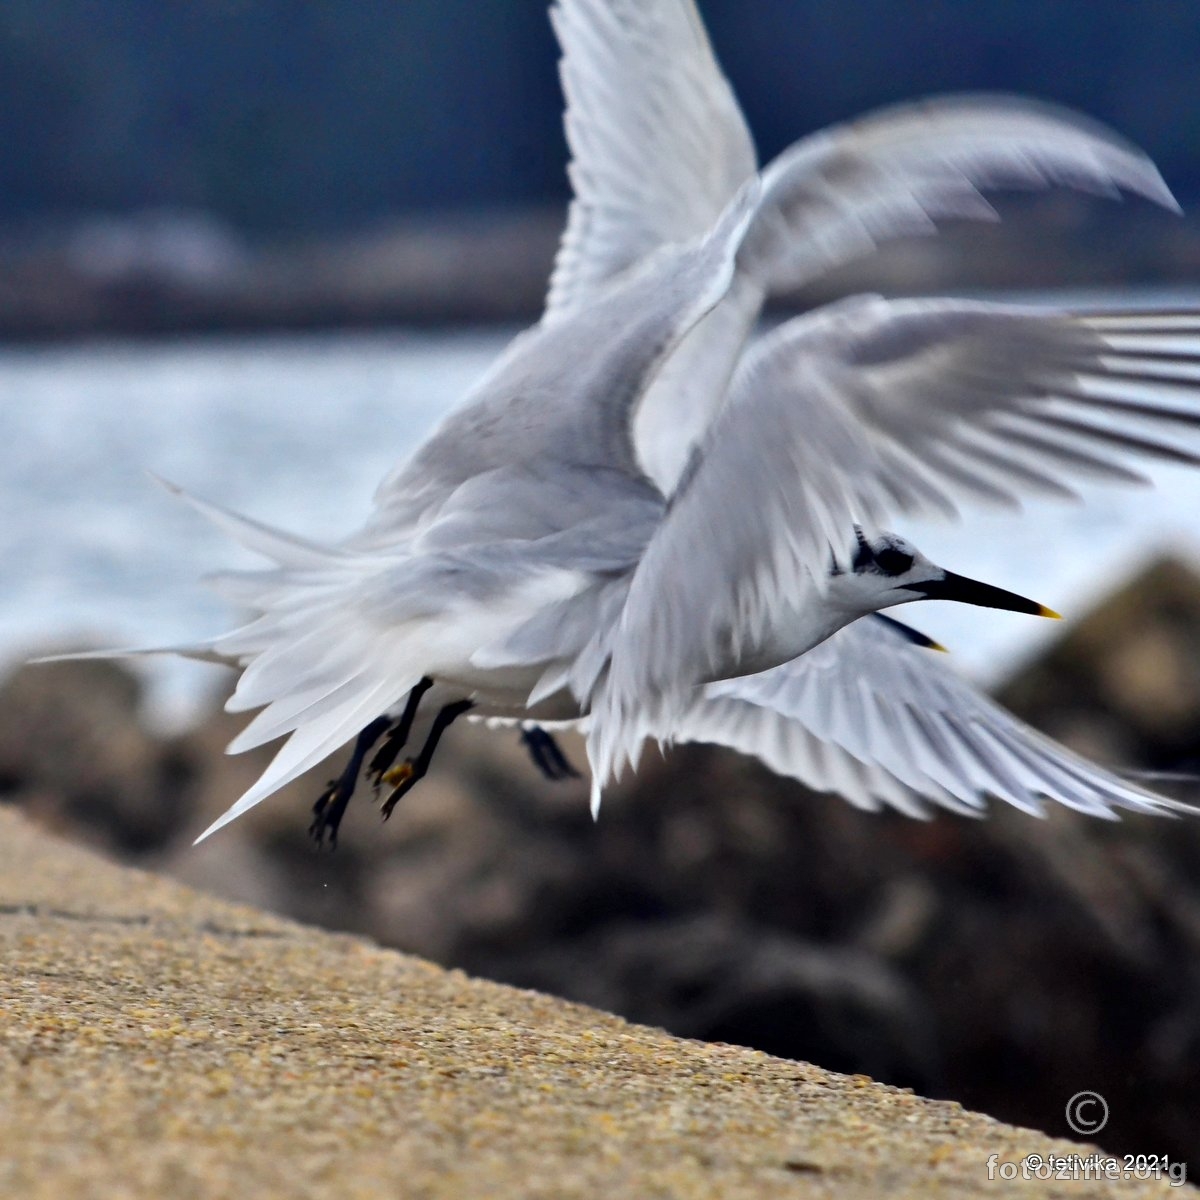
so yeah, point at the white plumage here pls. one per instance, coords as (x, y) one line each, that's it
(644, 516)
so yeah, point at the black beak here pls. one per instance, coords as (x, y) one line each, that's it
(971, 591)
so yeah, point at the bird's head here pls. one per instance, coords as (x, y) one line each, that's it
(887, 569)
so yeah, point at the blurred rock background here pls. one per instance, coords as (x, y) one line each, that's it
(1006, 963)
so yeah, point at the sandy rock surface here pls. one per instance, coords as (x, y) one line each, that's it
(161, 1043)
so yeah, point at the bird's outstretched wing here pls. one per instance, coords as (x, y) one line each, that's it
(871, 408)
(658, 143)
(913, 406)
(883, 722)
(838, 194)
(659, 146)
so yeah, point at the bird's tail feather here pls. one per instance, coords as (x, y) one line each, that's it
(286, 549)
(200, 651)
(318, 739)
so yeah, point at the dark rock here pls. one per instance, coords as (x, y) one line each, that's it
(720, 979)
(1124, 685)
(73, 753)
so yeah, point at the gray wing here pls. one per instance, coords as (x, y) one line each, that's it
(916, 406)
(563, 393)
(838, 194)
(870, 408)
(658, 143)
(659, 146)
(882, 721)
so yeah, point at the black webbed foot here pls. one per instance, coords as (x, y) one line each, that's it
(411, 771)
(331, 804)
(328, 812)
(547, 754)
(395, 741)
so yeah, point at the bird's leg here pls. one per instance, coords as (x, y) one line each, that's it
(394, 742)
(331, 804)
(546, 753)
(406, 776)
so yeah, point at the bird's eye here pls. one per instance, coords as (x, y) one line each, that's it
(863, 554)
(893, 562)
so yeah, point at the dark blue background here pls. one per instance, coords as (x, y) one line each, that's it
(298, 115)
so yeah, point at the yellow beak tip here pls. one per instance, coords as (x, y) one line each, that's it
(938, 647)
(1043, 611)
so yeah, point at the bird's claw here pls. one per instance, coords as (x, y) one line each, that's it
(395, 776)
(400, 779)
(327, 815)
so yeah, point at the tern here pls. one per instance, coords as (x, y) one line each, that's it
(651, 521)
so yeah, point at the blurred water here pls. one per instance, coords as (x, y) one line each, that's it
(298, 430)
(295, 430)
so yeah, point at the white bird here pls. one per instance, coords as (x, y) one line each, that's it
(649, 521)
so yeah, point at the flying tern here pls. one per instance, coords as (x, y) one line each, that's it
(652, 522)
